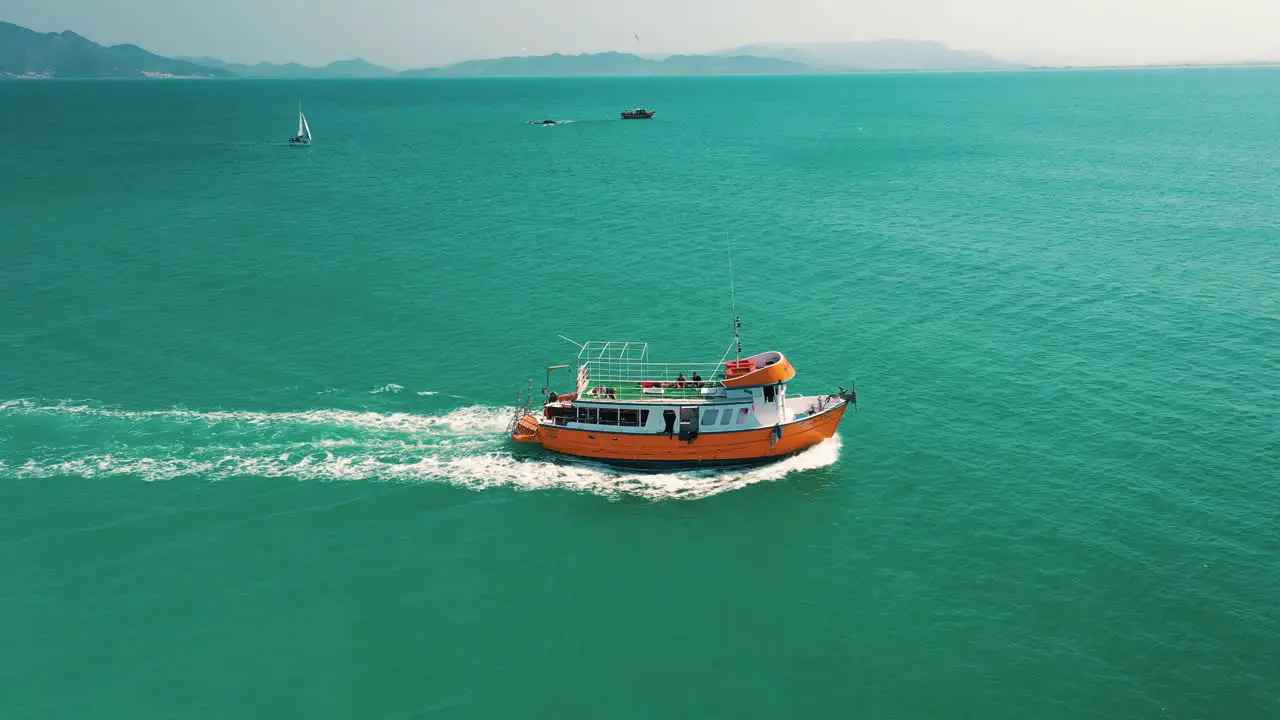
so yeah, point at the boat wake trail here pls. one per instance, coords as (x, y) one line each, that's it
(465, 447)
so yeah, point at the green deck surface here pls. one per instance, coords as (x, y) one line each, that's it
(633, 391)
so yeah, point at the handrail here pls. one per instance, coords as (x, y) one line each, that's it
(523, 401)
(600, 372)
(615, 350)
(602, 363)
(595, 363)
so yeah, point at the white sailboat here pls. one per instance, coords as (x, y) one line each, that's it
(303, 138)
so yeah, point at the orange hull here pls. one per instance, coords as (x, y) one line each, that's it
(712, 447)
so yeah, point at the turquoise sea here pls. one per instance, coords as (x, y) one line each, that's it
(252, 397)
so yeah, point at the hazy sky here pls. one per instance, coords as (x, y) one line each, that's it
(416, 33)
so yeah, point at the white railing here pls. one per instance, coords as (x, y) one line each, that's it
(603, 372)
(608, 363)
(613, 350)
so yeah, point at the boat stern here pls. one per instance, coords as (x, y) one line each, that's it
(527, 430)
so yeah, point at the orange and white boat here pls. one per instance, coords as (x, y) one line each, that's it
(629, 411)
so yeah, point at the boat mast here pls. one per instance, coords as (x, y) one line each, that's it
(733, 301)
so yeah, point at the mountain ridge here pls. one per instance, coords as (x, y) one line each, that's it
(878, 56)
(27, 53)
(611, 64)
(353, 68)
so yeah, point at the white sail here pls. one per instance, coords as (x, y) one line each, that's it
(305, 126)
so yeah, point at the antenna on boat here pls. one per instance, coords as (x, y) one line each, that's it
(733, 301)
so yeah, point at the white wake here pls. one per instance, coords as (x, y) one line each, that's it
(464, 447)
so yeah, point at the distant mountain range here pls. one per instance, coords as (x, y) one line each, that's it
(357, 68)
(613, 64)
(877, 56)
(27, 53)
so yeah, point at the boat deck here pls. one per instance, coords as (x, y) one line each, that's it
(635, 391)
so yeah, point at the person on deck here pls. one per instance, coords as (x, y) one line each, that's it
(697, 379)
(680, 381)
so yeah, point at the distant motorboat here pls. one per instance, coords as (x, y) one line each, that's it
(637, 114)
(303, 138)
(544, 122)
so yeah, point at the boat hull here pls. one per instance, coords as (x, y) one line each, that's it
(676, 465)
(740, 447)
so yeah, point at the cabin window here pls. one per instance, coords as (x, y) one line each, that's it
(582, 414)
(591, 416)
(742, 416)
(629, 418)
(709, 417)
(608, 416)
(769, 393)
(644, 418)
